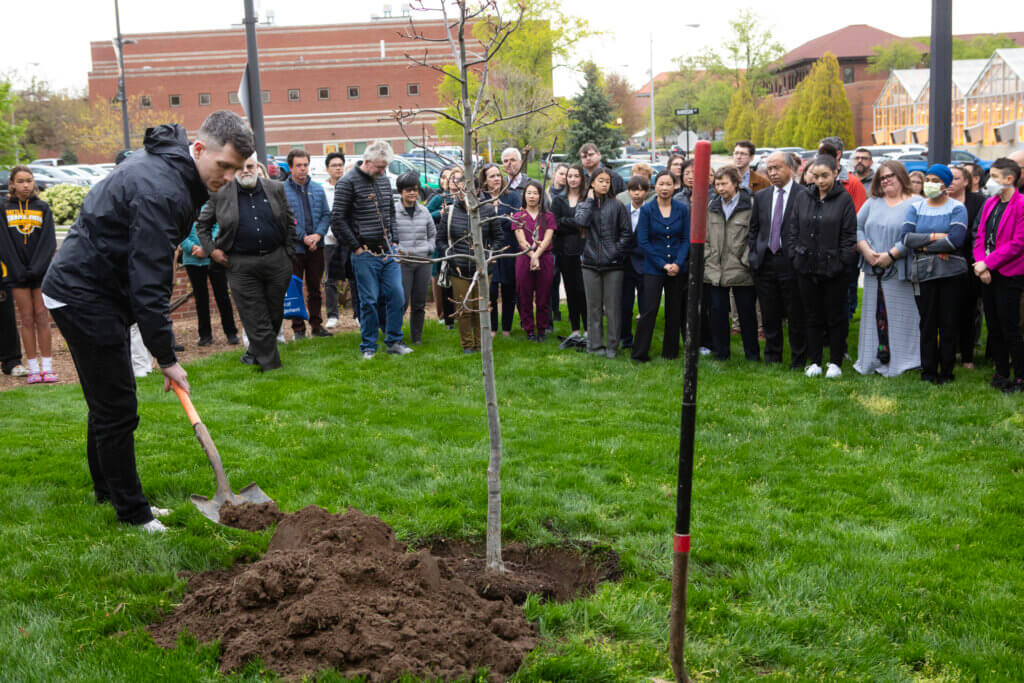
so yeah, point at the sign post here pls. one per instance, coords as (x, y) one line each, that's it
(684, 486)
(687, 111)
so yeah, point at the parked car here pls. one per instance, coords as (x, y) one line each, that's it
(46, 162)
(62, 175)
(625, 170)
(80, 173)
(911, 162)
(400, 165)
(44, 180)
(547, 163)
(960, 156)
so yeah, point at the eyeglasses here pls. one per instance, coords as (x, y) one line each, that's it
(883, 178)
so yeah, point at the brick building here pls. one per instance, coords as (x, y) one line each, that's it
(324, 87)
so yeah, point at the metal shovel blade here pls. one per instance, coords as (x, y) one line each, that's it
(210, 507)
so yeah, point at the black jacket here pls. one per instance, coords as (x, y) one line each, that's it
(27, 242)
(761, 226)
(456, 234)
(607, 233)
(222, 209)
(821, 235)
(363, 214)
(568, 239)
(118, 257)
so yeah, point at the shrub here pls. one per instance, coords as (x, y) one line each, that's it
(719, 147)
(65, 201)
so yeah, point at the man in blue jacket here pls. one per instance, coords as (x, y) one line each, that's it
(312, 218)
(116, 267)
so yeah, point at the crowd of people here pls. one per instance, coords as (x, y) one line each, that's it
(785, 248)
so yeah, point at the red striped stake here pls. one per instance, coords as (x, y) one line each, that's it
(684, 487)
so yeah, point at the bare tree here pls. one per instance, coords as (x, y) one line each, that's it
(478, 110)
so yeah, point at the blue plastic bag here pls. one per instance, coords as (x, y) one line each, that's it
(294, 305)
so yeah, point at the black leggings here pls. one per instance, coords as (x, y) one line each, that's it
(1002, 313)
(197, 276)
(575, 295)
(508, 305)
(825, 309)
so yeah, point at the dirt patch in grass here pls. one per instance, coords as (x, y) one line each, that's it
(337, 591)
(250, 516)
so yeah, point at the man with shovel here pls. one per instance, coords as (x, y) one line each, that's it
(115, 268)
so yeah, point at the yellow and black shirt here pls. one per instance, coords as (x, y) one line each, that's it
(27, 241)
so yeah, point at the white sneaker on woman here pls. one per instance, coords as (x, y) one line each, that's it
(154, 526)
(833, 371)
(813, 370)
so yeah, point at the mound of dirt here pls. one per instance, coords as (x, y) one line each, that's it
(339, 592)
(250, 516)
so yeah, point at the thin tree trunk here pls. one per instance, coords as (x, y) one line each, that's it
(494, 562)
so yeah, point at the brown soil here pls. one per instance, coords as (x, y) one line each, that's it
(339, 592)
(250, 516)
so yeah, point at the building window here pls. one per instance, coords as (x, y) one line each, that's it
(353, 92)
(266, 96)
(847, 74)
(323, 93)
(293, 95)
(146, 102)
(205, 99)
(174, 100)
(383, 91)
(412, 89)
(358, 148)
(271, 150)
(232, 98)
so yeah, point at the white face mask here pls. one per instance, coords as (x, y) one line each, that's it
(993, 187)
(247, 181)
(932, 190)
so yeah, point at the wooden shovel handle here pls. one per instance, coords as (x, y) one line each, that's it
(186, 403)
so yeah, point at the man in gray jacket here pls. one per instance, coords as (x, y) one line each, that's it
(363, 219)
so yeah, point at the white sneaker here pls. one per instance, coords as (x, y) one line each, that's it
(19, 371)
(159, 512)
(154, 527)
(833, 371)
(399, 349)
(281, 339)
(367, 355)
(813, 370)
(331, 323)
(705, 351)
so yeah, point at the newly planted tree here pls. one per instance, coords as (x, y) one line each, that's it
(476, 109)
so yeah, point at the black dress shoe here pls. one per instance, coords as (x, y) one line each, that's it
(233, 339)
(206, 341)
(321, 333)
(248, 358)
(179, 347)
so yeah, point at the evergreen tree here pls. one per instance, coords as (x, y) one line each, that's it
(765, 122)
(592, 118)
(740, 122)
(787, 133)
(825, 110)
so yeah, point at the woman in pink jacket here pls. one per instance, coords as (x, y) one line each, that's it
(999, 262)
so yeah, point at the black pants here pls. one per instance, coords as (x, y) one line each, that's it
(10, 342)
(575, 294)
(1002, 299)
(632, 290)
(218, 277)
(258, 284)
(675, 315)
(100, 347)
(968, 316)
(937, 307)
(779, 296)
(718, 315)
(556, 295)
(825, 307)
(507, 291)
(309, 265)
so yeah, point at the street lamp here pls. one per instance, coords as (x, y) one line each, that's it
(651, 94)
(119, 44)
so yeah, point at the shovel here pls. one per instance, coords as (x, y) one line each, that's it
(211, 508)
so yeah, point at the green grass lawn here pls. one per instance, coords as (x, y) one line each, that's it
(858, 529)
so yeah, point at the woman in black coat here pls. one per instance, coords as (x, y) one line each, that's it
(821, 239)
(568, 248)
(506, 202)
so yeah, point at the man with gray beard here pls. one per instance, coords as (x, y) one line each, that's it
(256, 244)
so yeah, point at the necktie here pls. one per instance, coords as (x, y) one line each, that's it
(775, 240)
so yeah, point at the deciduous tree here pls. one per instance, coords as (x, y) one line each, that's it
(11, 134)
(748, 53)
(899, 54)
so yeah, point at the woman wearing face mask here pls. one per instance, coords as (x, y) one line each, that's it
(663, 233)
(506, 202)
(890, 340)
(933, 232)
(568, 248)
(27, 244)
(999, 263)
(820, 238)
(607, 233)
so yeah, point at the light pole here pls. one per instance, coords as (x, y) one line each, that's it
(653, 154)
(940, 105)
(119, 42)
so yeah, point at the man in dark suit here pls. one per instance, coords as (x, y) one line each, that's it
(256, 243)
(774, 278)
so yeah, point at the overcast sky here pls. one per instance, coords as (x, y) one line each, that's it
(56, 47)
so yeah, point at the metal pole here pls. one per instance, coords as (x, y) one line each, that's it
(253, 73)
(940, 97)
(687, 134)
(122, 91)
(684, 486)
(652, 99)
